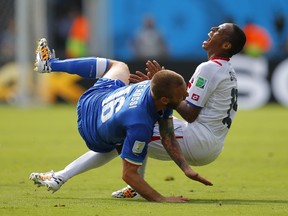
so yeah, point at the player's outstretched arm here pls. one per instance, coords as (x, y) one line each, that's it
(131, 176)
(172, 147)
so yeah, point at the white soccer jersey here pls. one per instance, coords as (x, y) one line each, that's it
(213, 88)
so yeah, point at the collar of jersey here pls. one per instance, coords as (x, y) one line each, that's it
(219, 58)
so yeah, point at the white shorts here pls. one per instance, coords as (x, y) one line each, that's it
(199, 146)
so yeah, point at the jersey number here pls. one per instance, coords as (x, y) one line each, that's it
(233, 105)
(111, 107)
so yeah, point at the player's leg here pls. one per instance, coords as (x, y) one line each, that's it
(198, 145)
(89, 67)
(201, 145)
(90, 160)
(118, 70)
(87, 161)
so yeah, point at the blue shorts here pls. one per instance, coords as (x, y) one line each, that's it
(87, 111)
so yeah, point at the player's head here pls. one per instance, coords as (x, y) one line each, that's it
(225, 40)
(169, 88)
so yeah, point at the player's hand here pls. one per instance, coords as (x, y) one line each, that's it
(138, 77)
(152, 67)
(196, 177)
(178, 199)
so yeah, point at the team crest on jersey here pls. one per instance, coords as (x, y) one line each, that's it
(138, 147)
(201, 82)
(195, 97)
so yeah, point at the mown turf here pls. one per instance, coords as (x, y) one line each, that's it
(250, 177)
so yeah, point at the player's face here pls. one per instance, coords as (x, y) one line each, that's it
(217, 37)
(178, 95)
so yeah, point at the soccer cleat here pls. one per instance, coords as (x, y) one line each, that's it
(43, 55)
(126, 192)
(47, 179)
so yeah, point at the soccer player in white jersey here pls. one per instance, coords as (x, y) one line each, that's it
(209, 110)
(210, 107)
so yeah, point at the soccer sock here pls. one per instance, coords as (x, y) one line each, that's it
(90, 67)
(87, 161)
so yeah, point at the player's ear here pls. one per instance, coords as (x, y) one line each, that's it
(227, 45)
(164, 100)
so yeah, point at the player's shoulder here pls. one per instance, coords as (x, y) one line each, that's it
(208, 67)
(213, 63)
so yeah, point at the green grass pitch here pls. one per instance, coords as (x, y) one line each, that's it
(250, 177)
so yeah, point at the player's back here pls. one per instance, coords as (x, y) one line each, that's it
(111, 113)
(125, 108)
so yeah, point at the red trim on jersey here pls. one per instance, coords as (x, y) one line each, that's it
(154, 138)
(134, 164)
(217, 62)
(218, 58)
(221, 58)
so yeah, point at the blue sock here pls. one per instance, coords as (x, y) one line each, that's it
(84, 67)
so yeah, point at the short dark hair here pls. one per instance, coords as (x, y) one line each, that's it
(237, 39)
(164, 82)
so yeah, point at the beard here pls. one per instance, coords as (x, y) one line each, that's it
(172, 105)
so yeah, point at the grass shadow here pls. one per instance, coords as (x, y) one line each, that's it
(191, 201)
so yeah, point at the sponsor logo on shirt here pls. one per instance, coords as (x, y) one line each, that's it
(201, 82)
(138, 147)
(195, 97)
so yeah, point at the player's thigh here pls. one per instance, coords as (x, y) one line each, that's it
(118, 70)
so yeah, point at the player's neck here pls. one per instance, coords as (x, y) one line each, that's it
(218, 56)
(159, 105)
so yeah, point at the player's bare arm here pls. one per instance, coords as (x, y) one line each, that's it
(188, 112)
(131, 176)
(172, 147)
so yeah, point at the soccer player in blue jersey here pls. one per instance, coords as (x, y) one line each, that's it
(114, 117)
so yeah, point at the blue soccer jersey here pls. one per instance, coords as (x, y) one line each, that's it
(112, 114)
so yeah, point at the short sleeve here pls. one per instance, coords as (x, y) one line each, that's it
(135, 145)
(201, 85)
